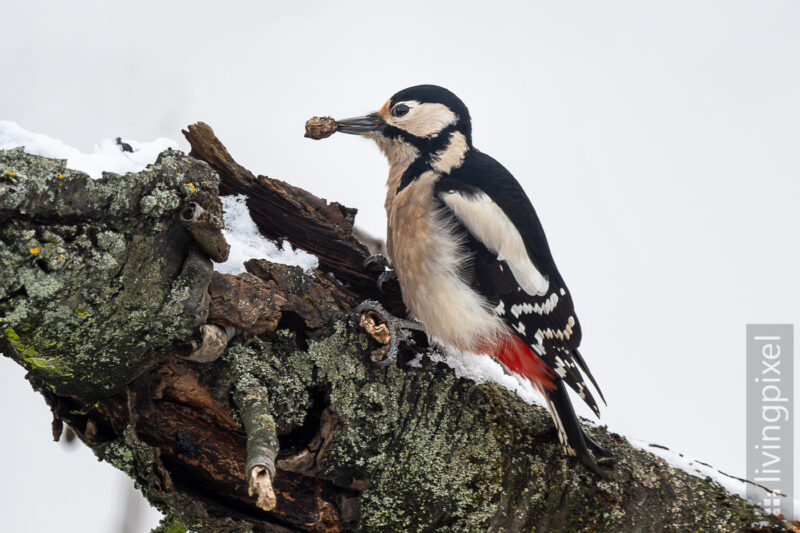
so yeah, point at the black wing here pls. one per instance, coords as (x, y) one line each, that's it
(546, 322)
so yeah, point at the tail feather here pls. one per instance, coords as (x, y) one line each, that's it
(585, 368)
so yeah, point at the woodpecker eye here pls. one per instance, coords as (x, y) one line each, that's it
(399, 110)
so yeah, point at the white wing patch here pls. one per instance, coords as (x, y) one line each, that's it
(489, 224)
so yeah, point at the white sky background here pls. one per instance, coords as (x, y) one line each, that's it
(658, 142)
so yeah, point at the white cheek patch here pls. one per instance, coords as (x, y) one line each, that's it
(425, 120)
(489, 224)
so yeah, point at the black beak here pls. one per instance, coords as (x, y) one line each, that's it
(360, 125)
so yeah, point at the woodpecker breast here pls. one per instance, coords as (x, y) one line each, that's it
(429, 257)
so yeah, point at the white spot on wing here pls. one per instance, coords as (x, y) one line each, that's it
(545, 308)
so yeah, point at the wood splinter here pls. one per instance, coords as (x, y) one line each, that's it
(206, 232)
(320, 127)
(214, 340)
(376, 326)
(259, 484)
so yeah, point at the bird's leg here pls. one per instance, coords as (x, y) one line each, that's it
(384, 328)
(379, 263)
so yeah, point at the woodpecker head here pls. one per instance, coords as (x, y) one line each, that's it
(418, 122)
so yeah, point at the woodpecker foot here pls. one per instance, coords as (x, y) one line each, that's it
(379, 263)
(588, 461)
(386, 278)
(602, 455)
(385, 329)
(595, 446)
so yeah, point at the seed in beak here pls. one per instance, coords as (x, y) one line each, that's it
(320, 127)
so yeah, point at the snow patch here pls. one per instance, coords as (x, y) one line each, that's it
(482, 368)
(247, 243)
(700, 469)
(107, 156)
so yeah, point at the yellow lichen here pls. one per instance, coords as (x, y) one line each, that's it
(191, 186)
(81, 312)
(34, 250)
(60, 176)
(9, 173)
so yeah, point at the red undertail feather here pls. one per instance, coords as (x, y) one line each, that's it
(520, 359)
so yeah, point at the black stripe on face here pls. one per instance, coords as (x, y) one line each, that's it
(414, 171)
(427, 148)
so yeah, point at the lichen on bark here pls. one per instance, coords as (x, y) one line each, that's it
(95, 276)
(103, 289)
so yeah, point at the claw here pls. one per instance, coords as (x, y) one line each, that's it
(588, 461)
(392, 323)
(377, 261)
(387, 276)
(595, 446)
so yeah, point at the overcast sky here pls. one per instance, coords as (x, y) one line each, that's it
(658, 142)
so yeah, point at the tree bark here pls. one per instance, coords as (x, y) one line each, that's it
(211, 389)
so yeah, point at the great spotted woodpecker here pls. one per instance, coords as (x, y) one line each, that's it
(471, 256)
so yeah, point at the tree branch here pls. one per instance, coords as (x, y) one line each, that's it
(210, 389)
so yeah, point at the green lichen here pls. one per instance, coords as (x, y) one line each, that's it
(432, 466)
(169, 524)
(89, 304)
(50, 367)
(159, 201)
(102, 293)
(117, 454)
(438, 467)
(444, 454)
(249, 365)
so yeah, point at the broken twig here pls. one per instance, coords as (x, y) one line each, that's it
(262, 443)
